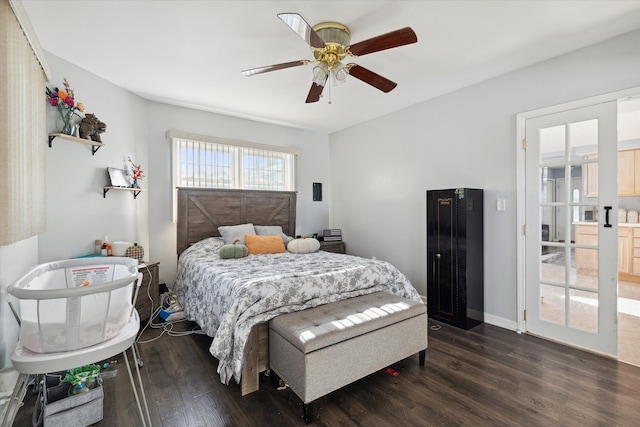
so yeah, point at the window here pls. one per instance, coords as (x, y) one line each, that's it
(210, 162)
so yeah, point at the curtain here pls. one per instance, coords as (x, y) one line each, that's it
(22, 133)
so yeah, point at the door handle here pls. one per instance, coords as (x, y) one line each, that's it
(606, 216)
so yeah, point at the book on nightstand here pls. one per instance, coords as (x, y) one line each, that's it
(332, 235)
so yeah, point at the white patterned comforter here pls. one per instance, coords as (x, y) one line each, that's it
(227, 297)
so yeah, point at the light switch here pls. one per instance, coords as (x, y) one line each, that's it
(501, 205)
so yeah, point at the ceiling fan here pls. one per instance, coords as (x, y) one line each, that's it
(330, 44)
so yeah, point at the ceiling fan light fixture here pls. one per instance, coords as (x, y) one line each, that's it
(320, 73)
(340, 72)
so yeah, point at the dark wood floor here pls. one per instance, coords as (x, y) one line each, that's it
(486, 376)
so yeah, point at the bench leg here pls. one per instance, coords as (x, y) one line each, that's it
(307, 412)
(422, 356)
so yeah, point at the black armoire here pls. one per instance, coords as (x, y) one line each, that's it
(455, 262)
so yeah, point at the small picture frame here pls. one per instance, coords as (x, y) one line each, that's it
(118, 177)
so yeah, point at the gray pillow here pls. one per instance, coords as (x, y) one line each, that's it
(232, 232)
(272, 230)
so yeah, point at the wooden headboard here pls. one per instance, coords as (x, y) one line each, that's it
(202, 210)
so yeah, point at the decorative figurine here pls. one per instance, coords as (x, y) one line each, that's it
(91, 127)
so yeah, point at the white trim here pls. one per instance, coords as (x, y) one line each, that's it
(236, 143)
(501, 322)
(25, 24)
(521, 184)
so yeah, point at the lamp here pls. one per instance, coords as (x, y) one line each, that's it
(340, 72)
(320, 73)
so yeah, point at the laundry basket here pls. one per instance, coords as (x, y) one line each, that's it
(72, 304)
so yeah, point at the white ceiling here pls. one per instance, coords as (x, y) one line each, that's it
(191, 53)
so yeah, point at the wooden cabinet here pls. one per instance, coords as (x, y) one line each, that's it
(337, 247)
(590, 177)
(624, 249)
(586, 260)
(635, 252)
(455, 257)
(628, 174)
(149, 294)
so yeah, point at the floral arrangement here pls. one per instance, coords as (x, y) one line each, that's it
(136, 172)
(65, 102)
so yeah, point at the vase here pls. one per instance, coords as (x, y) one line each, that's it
(67, 126)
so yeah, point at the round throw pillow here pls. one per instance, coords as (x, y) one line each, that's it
(233, 250)
(303, 245)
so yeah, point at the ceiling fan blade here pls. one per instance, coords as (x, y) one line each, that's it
(274, 67)
(304, 30)
(315, 92)
(369, 77)
(390, 40)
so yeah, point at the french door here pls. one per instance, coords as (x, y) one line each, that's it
(571, 186)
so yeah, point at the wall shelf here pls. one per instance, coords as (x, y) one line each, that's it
(134, 190)
(94, 145)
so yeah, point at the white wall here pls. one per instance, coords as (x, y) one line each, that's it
(77, 212)
(312, 167)
(15, 260)
(382, 169)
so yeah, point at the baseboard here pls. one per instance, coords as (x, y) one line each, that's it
(500, 322)
(491, 319)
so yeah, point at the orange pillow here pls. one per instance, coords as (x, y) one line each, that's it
(264, 244)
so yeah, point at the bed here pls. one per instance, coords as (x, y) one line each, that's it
(233, 300)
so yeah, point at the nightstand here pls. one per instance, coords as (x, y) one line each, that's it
(337, 247)
(148, 288)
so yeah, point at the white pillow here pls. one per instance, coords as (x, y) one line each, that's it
(232, 232)
(303, 246)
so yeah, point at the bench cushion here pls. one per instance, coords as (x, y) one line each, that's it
(329, 324)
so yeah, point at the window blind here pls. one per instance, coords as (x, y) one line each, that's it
(210, 162)
(22, 133)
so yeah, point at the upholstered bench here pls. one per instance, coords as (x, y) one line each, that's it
(322, 349)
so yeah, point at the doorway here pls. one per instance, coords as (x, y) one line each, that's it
(572, 276)
(570, 205)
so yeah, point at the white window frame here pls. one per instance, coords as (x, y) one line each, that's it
(237, 150)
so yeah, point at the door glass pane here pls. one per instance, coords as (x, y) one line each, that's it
(552, 144)
(583, 310)
(553, 268)
(559, 224)
(547, 185)
(586, 263)
(552, 307)
(584, 268)
(583, 139)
